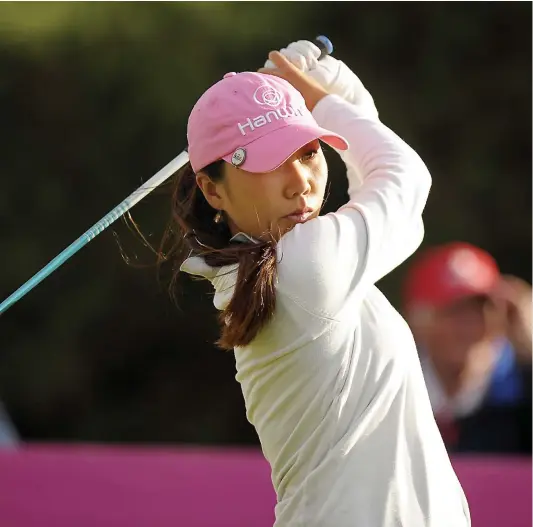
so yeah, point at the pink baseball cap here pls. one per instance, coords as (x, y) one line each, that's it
(447, 273)
(254, 121)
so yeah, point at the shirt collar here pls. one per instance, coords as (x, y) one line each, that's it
(222, 278)
(240, 237)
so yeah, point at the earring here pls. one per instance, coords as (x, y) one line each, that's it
(218, 217)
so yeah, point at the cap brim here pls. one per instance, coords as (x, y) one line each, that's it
(271, 150)
(459, 294)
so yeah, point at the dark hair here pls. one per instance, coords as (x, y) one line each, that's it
(192, 229)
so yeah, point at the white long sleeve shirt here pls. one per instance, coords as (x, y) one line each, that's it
(333, 384)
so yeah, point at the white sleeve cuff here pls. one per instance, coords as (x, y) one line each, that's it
(322, 109)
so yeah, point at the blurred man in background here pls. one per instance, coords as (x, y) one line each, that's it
(8, 434)
(473, 329)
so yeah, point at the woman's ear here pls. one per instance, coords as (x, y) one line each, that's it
(212, 191)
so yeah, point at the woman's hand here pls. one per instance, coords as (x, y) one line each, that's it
(332, 74)
(310, 89)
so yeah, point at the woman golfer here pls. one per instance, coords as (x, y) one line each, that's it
(328, 369)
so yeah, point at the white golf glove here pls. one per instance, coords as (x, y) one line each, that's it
(330, 73)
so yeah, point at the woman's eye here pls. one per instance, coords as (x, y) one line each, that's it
(309, 155)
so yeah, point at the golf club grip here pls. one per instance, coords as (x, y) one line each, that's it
(325, 46)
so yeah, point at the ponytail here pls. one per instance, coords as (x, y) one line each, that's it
(192, 229)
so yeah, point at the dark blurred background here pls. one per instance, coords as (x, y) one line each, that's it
(95, 99)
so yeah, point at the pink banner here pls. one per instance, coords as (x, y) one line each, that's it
(101, 486)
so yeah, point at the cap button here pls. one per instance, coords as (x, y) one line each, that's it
(230, 74)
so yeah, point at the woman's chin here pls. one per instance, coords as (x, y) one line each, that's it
(290, 223)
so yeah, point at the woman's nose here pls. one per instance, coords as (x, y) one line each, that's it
(298, 180)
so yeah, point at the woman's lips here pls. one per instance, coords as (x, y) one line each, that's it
(299, 216)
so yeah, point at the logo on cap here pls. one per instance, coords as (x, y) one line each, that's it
(268, 96)
(238, 157)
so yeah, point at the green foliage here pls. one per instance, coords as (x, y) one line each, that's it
(95, 99)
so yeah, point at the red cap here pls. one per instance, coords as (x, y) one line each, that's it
(450, 272)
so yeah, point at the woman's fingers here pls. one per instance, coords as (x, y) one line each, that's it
(308, 87)
(284, 65)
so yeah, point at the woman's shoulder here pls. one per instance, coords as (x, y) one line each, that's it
(325, 238)
(322, 262)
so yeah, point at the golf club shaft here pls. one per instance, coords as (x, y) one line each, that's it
(326, 48)
(97, 228)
